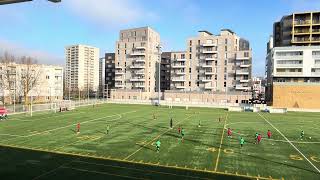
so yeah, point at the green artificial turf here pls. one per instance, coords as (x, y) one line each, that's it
(130, 144)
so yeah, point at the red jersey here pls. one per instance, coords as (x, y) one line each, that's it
(78, 125)
(229, 132)
(269, 133)
(259, 138)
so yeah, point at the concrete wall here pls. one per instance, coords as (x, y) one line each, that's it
(302, 96)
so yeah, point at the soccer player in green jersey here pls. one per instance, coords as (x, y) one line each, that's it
(241, 142)
(302, 134)
(182, 134)
(158, 143)
(256, 138)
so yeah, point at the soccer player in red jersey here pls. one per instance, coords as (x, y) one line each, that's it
(269, 134)
(229, 133)
(78, 128)
(259, 138)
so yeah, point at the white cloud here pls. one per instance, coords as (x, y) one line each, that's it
(110, 12)
(42, 57)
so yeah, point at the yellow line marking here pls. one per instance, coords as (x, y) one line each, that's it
(217, 160)
(134, 162)
(154, 139)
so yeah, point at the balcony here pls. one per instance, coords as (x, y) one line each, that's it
(138, 86)
(181, 59)
(301, 32)
(178, 66)
(206, 79)
(180, 87)
(288, 73)
(289, 65)
(244, 80)
(118, 79)
(239, 87)
(242, 72)
(301, 22)
(140, 48)
(119, 85)
(178, 79)
(209, 73)
(301, 40)
(245, 65)
(138, 72)
(206, 65)
(315, 31)
(315, 73)
(118, 73)
(138, 53)
(118, 67)
(242, 58)
(137, 66)
(137, 79)
(316, 39)
(204, 51)
(140, 60)
(316, 22)
(179, 73)
(209, 45)
(210, 58)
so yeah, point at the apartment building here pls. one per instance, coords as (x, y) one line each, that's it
(292, 71)
(137, 59)
(297, 29)
(47, 86)
(82, 70)
(294, 76)
(212, 63)
(109, 73)
(165, 71)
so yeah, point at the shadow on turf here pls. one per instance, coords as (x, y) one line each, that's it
(24, 164)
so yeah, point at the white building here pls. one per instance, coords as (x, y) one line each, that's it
(48, 84)
(82, 69)
(294, 64)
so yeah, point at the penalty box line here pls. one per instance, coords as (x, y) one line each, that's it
(289, 142)
(50, 130)
(221, 140)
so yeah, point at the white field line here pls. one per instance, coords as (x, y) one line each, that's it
(290, 142)
(11, 135)
(221, 140)
(68, 126)
(72, 113)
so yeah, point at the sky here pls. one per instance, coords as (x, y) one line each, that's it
(42, 29)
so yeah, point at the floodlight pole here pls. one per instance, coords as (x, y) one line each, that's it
(159, 62)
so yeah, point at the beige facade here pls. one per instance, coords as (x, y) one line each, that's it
(296, 95)
(185, 97)
(212, 63)
(136, 59)
(48, 82)
(82, 68)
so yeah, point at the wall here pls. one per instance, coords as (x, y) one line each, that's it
(295, 95)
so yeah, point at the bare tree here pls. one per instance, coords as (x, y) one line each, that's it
(30, 74)
(7, 74)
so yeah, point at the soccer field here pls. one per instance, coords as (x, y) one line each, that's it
(46, 146)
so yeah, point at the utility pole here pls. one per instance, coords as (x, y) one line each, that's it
(159, 63)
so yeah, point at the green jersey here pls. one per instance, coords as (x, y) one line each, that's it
(241, 141)
(257, 135)
(158, 143)
(182, 132)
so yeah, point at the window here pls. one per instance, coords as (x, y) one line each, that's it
(174, 56)
(225, 62)
(47, 77)
(198, 84)
(225, 77)
(224, 84)
(183, 56)
(215, 77)
(125, 45)
(190, 43)
(198, 42)
(226, 41)
(190, 49)
(225, 69)
(189, 83)
(315, 53)
(125, 51)
(118, 52)
(226, 55)
(190, 56)
(226, 48)
(246, 54)
(189, 70)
